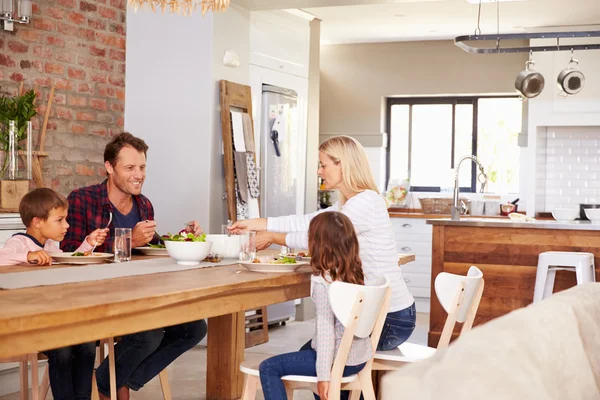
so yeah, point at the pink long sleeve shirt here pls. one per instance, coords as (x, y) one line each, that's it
(16, 248)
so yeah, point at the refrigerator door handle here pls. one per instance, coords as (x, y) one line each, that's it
(275, 140)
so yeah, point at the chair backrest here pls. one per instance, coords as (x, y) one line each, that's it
(459, 295)
(357, 306)
(447, 285)
(342, 298)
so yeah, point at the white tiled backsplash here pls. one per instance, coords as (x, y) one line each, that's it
(567, 167)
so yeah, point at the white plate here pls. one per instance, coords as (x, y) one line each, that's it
(152, 251)
(268, 267)
(68, 258)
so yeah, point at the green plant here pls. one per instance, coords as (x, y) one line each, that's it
(19, 109)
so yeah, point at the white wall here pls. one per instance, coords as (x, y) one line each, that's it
(567, 167)
(167, 103)
(230, 32)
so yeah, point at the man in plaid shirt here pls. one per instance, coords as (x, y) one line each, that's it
(140, 356)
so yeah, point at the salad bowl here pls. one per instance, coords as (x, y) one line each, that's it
(186, 248)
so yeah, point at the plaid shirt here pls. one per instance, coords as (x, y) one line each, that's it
(89, 209)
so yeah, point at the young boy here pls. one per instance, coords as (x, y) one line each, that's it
(44, 214)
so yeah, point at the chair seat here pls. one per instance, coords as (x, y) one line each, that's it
(406, 352)
(251, 368)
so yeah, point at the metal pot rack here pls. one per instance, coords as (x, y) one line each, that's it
(460, 41)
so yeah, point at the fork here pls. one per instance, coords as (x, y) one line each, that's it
(107, 225)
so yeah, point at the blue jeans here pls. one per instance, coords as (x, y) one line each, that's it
(70, 370)
(303, 362)
(141, 356)
(398, 327)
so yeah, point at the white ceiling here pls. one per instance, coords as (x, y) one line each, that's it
(364, 21)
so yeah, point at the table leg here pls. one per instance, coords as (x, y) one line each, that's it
(225, 352)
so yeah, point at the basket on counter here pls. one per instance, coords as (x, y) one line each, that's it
(437, 205)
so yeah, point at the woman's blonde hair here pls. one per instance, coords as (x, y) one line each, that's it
(356, 171)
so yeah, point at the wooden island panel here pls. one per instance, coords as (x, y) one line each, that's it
(508, 259)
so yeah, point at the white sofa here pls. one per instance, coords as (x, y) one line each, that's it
(548, 350)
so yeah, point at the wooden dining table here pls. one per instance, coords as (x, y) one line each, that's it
(46, 317)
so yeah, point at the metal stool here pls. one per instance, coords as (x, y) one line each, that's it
(551, 261)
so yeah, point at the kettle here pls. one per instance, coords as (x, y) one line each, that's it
(529, 82)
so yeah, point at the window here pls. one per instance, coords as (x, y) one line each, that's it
(428, 136)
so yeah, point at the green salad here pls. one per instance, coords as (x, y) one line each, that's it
(284, 260)
(156, 246)
(184, 236)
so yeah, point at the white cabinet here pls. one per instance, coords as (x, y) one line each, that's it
(413, 235)
(280, 41)
(10, 223)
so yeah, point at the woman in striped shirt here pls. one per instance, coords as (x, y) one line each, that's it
(335, 257)
(343, 166)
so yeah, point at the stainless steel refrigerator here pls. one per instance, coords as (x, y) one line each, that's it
(279, 164)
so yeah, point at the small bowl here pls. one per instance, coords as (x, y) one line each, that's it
(224, 245)
(565, 214)
(593, 215)
(188, 253)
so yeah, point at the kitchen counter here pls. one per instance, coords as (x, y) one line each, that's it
(509, 223)
(507, 253)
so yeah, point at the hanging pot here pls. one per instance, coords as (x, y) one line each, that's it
(571, 79)
(529, 82)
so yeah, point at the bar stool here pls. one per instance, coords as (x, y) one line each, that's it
(551, 261)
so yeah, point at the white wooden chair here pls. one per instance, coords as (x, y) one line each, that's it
(362, 317)
(110, 343)
(38, 391)
(459, 296)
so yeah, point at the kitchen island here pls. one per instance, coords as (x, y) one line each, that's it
(507, 253)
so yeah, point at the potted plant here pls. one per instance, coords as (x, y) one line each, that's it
(20, 109)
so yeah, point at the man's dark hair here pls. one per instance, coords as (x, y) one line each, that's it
(112, 149)
(38, 203)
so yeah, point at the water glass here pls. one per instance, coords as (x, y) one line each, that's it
(122, 244)
(248, 246)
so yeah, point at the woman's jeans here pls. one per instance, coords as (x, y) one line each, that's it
(141, 356)
(303, 362)
(70, 370)
(398, 327)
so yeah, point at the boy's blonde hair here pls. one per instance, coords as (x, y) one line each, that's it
(356, 171)
(38, 203)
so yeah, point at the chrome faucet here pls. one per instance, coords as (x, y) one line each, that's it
(457, 210)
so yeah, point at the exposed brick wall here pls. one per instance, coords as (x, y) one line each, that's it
(79, 45)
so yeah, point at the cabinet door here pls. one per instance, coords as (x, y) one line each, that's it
(413, 235)
(6, 234)
(280, 41)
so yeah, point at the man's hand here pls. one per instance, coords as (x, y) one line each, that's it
(323, 389)
(263, 240)
(142, 233)
(194, 227)
(40, 257)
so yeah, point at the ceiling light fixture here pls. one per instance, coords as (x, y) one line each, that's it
(183, 7)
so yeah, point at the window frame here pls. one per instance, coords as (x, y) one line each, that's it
(452, 100)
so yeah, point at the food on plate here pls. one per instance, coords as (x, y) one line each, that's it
(213, 258)
(85, 254)
(184, 236)
(156, 246)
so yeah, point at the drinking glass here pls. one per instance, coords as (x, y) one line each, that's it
(248, 246)
(122, 244)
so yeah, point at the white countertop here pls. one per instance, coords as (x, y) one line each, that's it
(508, 223)
(11, 221)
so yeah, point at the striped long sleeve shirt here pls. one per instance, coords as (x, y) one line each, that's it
(368, 213)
